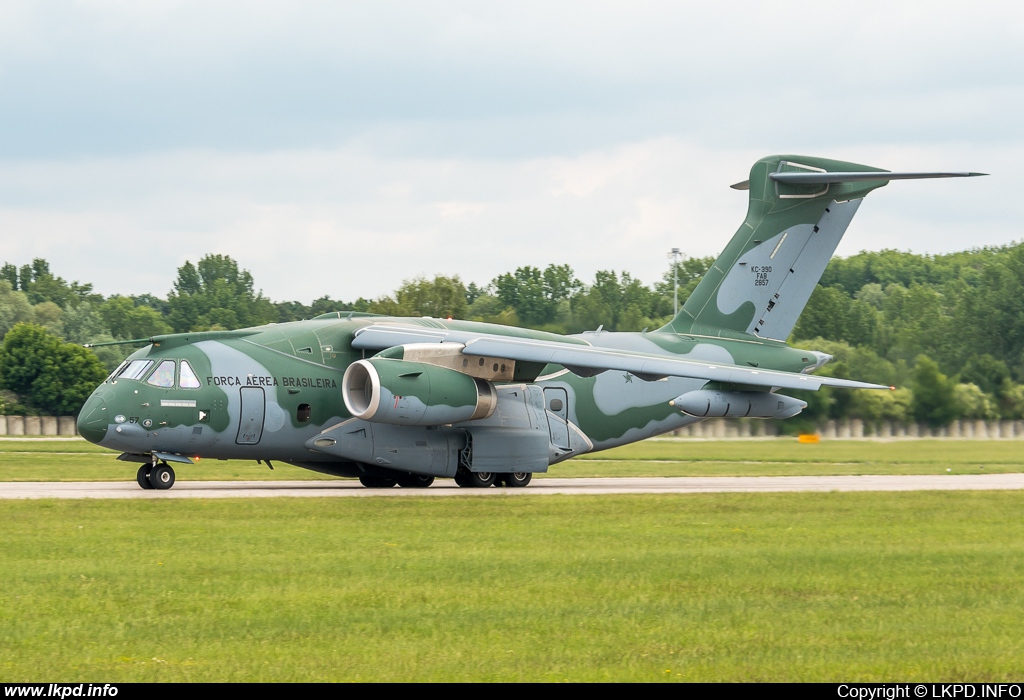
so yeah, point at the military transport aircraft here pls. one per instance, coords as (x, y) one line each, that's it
(405, 400)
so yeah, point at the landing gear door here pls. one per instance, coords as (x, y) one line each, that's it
(556, 402)
(250, 415)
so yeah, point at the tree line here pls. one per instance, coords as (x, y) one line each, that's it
(947, 330)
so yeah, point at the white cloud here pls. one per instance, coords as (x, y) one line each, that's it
(338, 148)
(348, 224)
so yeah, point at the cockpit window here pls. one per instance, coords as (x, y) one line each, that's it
(163, 375)
(187, 379)
(118, 370)
(135, 369)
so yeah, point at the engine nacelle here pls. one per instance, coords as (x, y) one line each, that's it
(707, 403)
(401, 392)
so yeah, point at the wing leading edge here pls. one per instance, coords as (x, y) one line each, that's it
(577, 355)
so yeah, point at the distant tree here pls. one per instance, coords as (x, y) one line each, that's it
(48, 315)
(49, 375)
(473, 293)
(153, 302)
(84, 324)
(10, 273)
(14, 307)
(972, 402)
(871, 294)
(215, 294)
(127, 321)
(877, 406)
(919, 322)
(441, 297)
(989, 314)
(288, 311)
(41, 285)
(986, 372)
(1012, 400)
(599, 305)
(535, 295)
(934, 394)
(325, 305)
(690, 273)
(832, 314)
(488, 308)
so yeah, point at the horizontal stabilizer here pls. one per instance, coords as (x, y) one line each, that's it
(829, 178)
(824, 178)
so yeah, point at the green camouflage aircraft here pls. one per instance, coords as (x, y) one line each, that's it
(405, 400)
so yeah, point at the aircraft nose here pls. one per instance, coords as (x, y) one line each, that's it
(93, 419)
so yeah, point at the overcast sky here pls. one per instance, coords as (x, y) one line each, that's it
(339, 148)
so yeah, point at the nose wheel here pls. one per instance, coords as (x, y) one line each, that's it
(143, 476)
(160, 476)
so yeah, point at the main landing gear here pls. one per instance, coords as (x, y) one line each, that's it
(482, 480)
(464, 478)
(407, 481)
(155, 476)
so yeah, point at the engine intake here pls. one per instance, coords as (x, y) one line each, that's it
(400, 392)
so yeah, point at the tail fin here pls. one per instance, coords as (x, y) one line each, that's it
(799, 209)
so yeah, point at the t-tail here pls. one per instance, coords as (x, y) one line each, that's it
(799, 210)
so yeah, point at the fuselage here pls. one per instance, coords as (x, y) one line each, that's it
(264, 393)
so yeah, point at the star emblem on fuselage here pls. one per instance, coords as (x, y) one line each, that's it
(628, 377)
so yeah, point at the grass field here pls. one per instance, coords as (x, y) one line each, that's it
(78, 460)
(749, 587)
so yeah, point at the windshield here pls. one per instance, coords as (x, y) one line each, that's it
(164, 375)
(135, 369)
(188, 378)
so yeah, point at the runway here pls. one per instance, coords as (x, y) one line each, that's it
(446, 487)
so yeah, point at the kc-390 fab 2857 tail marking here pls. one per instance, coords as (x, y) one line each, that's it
(403, 400)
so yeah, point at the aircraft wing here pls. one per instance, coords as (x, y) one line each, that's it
(582, 358)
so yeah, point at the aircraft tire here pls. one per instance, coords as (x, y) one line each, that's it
(481, 480)
(415, 481)
(142, 476)
(516, 480)
(377, 482)
(161, 477)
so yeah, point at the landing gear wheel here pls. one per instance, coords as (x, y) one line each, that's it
(161, 477)
(415, 481)
(377, 482)
(143, 477)
(481, 480)
(462, 478)
(516, 480)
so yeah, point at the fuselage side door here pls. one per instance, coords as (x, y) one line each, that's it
(253, 408)
(556, 402)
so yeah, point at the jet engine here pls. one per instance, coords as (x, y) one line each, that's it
(401, 392)
(706, 403)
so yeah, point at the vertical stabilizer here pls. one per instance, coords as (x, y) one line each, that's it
(799, 209)
(764, 277)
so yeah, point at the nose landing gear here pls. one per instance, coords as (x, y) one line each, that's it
(155, 476)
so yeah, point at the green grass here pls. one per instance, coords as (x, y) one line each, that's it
(39, 460)
(777, 587)
(785, 456)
